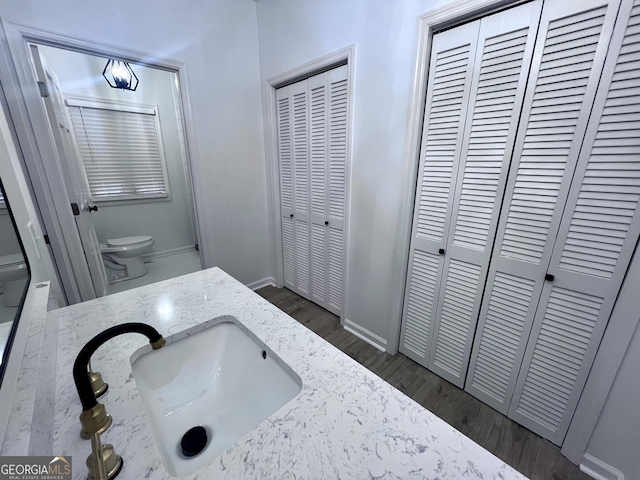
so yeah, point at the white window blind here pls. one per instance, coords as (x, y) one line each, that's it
(121, 151)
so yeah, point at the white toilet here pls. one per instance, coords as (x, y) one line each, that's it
(123, 257)
(13, 273)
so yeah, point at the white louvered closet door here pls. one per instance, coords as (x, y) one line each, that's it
(328, 93)
(449, 83)
(598, 234)
(293, 150)
(319, 147)
(338, 106)
(570, 50)
(504, 50)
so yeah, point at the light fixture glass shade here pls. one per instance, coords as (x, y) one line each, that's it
(119, 74)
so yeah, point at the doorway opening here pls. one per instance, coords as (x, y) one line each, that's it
(125, 167)
(80, 139)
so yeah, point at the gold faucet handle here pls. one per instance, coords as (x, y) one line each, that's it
(103, 463)
(96, 420)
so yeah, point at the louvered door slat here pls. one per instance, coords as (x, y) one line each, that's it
(318, 120)
(319, 148)
(449, 84)
(504, 50)
(570, 51)
(302, 256)
(338, 114)
(293, 146)
(285, 157)
(301, 151)
(336, 269)
(422, 289)
(318, 263)
(596, 239)
(288, 249)
(284, 153)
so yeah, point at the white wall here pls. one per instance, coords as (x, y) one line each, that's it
(616, 438)
(386, 36)
(168, 222)
(218, 41)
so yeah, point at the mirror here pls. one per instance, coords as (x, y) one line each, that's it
(14, 278)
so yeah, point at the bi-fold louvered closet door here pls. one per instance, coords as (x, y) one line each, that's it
(476, 85)
(571, 221)
(567, 228)
(312, 145)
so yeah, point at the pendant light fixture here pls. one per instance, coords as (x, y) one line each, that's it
(119, 74)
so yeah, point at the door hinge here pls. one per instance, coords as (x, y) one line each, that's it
(197, 247)
(44, 91)
(46, 239)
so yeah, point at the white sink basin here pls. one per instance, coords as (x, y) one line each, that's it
(216, 378)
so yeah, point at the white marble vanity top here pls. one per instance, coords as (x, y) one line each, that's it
(345, 423)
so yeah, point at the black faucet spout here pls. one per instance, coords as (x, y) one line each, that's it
(80, 375)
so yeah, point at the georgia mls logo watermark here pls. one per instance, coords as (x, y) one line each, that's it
(35, 468)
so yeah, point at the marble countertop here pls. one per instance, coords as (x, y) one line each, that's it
(345, 423)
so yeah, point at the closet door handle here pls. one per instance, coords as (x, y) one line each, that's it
(326, 222)
(548, 277)
(93, 208)
(441, 251)
(291, 215)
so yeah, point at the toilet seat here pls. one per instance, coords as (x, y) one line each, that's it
(126, 252)
(127, 241)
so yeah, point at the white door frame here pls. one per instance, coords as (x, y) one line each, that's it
(344, 56)
(616, 338)
(23, 99)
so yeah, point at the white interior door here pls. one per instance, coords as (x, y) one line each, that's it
(477, 81)
(319, 179)
(569, 55)
(501, 66)
(75, 180)
(328, 93)
(597, 236)
(293, 149)
(449, 84)
(338, 108)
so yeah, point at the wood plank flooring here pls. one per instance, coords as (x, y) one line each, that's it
(525, 451)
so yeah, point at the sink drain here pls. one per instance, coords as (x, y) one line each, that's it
(194, 441)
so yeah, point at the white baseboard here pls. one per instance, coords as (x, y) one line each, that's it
(258, 284)
(166, 253)
(599, 470)
(364, 334)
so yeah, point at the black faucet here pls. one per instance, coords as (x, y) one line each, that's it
(103, 462)
(80, 376)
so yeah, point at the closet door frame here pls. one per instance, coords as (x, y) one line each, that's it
(344, 56)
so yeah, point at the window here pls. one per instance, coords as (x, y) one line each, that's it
(121, 150)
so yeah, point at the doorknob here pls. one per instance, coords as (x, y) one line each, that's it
(93, 208)
(291, 215)
(549, 277)
(326, 222)
(441, 251)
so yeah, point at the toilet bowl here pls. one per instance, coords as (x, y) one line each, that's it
(13, 273)
(126, 253)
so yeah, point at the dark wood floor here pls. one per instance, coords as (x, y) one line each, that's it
(525, 451)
